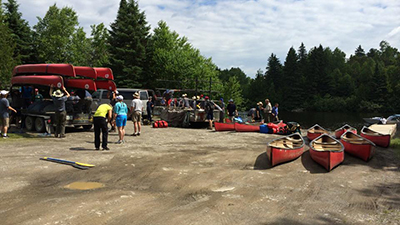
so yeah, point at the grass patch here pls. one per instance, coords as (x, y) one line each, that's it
(395, 144)
(14, 136)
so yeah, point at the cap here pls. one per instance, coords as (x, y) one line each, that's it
(120, 97)
(3, 92)
(206, 97)
(230, 100)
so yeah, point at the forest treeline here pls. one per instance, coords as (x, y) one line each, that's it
(318, 79)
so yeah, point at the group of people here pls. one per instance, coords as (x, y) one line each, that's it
(116, 114)
(264, 114)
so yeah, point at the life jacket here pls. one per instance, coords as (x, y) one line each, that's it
(160, 124)
(293, 127)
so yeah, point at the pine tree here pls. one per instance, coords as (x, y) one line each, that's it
(129, 35)
(6, 54)
(359, 52)
(291, 89)
(21, 32)
(99, 44)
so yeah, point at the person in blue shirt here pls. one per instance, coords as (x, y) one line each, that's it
(120, 115)
(275, 112)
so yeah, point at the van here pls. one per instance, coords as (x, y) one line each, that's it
(102, 96)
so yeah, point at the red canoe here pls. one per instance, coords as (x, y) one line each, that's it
(316, 131)
(106, 84)
(105, 73)
(358, 146)
(40, 69)
(240, 127)
(327, 151)
(224, 126)
(85, 71)
(339, 132)
(379, 139)
(86, 84)
(47, 80)
(285, 149)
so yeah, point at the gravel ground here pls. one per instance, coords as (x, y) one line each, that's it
(190, 176)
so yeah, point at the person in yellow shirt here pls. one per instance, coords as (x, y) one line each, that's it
(100, 125)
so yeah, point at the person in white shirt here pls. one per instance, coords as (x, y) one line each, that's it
(136, 110)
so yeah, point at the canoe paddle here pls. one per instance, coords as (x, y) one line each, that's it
(71, 163)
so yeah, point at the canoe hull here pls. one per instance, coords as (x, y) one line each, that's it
(312, 136)
(86, 84)
(327, 159)
(279, 155)
(106, 84)
(340, 132)
(52, 69)
(315, 131)
(105, 73)
(46, 80)
(246, 128)
(85, 71)
(224, 126)
(381, 140)
(362, 151)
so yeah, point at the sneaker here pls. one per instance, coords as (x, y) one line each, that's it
(106, 148)
(119, 142)
(62, 136)
(133, 134)
(123, 141)
(138, 134)
(5, 137)
(97, 148)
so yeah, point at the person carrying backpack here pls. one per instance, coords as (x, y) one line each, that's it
(209, 108)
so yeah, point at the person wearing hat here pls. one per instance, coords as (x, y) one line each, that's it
(258, 111)
(185, 102)
(100, 125)
(38, 97)
(267, 111)
(4, 115)
(59, 100)
(209, 109)
(120, 115)
(113, 100)
(136, 110)
(232, 111)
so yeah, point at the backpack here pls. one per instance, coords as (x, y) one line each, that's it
(293, 127)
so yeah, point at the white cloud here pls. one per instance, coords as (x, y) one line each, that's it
(244, 33)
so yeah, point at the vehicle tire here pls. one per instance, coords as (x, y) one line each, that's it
(40, 126)
(87, 127)
(30, 123)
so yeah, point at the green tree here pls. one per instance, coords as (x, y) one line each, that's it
(129, 35)
(21, 33)
(7, 61)
(232, 90)
(54, 33)
(81, 48)
(292, 89)
(99, 46)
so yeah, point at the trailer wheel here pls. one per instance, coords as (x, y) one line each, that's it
(29, 123)
(39, 125)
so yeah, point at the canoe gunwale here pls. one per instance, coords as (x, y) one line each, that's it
(284, 138)
(365, 140)
(327, 150)
(323, 130)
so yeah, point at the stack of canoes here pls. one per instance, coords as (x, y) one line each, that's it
(358, 146)
(285, 149)
(327, 151)
(315, 131)
(339, 132)
(60, 75)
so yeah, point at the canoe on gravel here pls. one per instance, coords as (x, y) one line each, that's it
(46, 80)
(85, 71)
(316, 131)
(241, 127)
(105, 73)
(339, 132)
(86, 84)
(48, 69)
(380, 138)
(327, 151)
(285, 149)
(358, 146)
(106, 84)
(224, 126)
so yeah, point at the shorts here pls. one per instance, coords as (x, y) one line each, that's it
(120, 121)
(5, 122)
(210, 116)
(136, 116)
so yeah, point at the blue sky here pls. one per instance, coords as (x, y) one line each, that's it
(244, 33)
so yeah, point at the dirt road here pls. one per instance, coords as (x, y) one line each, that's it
(190, 176)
